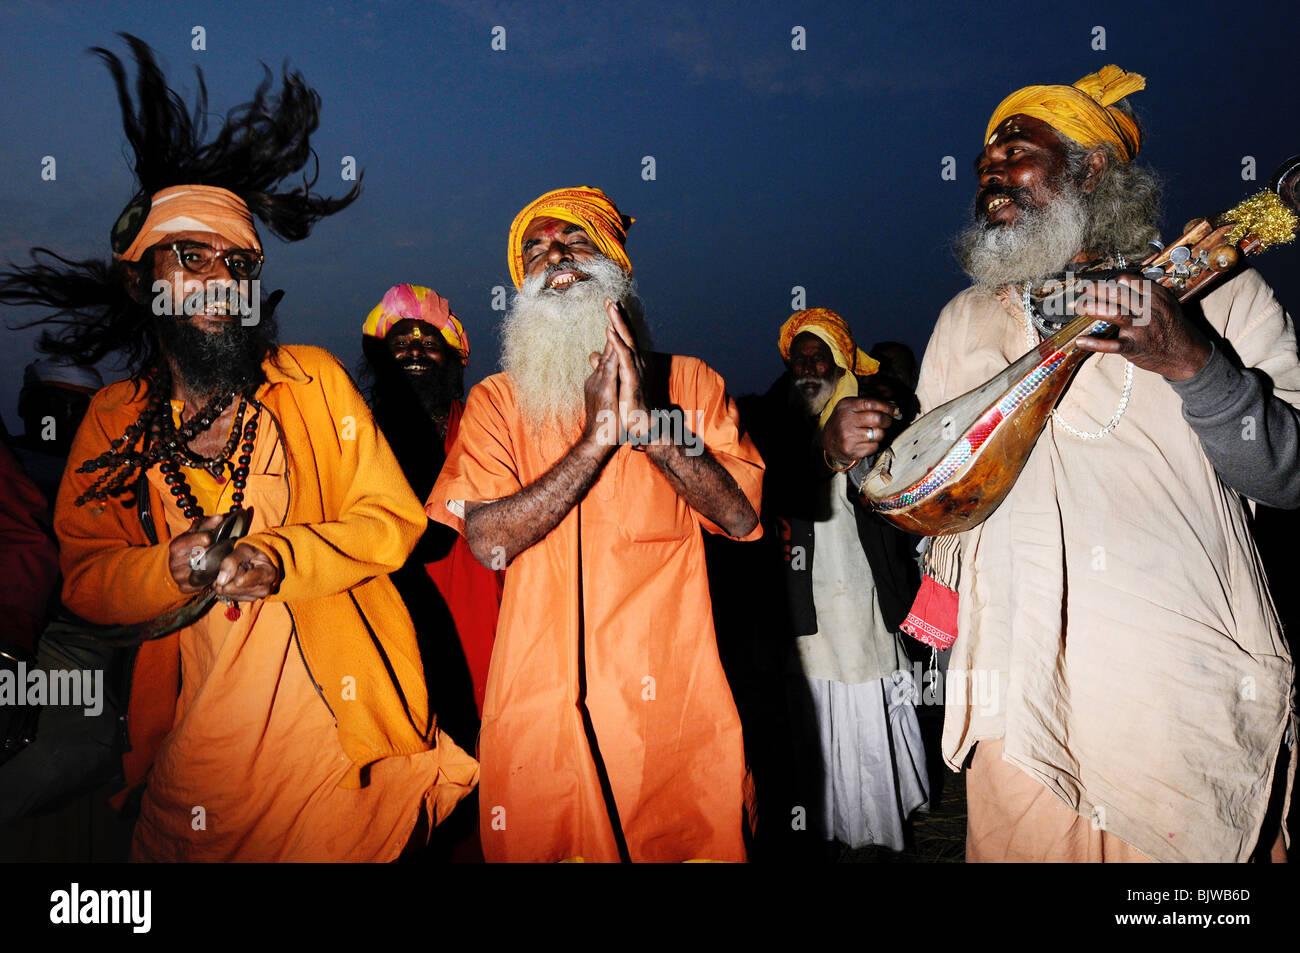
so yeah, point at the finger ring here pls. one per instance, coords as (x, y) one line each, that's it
(871, 435)
(196, 558)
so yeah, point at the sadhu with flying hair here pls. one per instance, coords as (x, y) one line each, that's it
(1127, 684)
(590, 467)
(294, 712)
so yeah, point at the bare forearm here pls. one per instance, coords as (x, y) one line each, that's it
(706, 486)
(511, 525)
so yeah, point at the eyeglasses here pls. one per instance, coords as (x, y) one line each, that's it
(242, 263)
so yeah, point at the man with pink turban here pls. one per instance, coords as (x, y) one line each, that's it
(417, 350)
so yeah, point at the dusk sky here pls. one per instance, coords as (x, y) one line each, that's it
(773, 167)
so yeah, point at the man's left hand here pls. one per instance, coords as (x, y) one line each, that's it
(1154, 333)
(246, 574)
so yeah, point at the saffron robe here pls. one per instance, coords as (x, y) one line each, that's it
(300, 729)
(608, 616)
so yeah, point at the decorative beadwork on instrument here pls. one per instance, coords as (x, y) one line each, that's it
(966, 447)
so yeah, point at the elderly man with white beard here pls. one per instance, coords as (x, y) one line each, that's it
(1126, 690)
(845, 582)
(609, 731)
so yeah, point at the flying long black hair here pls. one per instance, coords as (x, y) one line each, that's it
(96, 307)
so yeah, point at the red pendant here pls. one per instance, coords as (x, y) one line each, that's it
(232, 611)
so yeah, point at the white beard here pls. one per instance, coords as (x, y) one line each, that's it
(548, 335)
(813, 404)
(1040, 243)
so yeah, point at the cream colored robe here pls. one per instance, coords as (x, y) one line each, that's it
(1115, 626)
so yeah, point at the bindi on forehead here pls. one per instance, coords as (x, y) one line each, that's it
(550, 229)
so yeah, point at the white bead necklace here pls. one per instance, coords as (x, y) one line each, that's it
(1031, 335)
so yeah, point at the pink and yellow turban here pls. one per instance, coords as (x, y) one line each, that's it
(1082, 111)
(189, 208)
(417, 303)
(834, 330)
(583, 205)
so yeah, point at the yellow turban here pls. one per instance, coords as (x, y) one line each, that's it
(834, 330)
(1082, 111)
(585, 206)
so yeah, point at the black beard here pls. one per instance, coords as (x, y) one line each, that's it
(217, 362)
(436, 388)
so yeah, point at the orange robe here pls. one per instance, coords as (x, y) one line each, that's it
(301, 730)
(608, 617)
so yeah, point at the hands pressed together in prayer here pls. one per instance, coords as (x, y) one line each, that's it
(247, 574)
(615, 404)
(614, 391)
(1154, 334)
(856, 429)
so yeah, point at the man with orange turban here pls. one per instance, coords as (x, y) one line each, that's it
(278, 709)
(1119, 682)
(589, 468)
(847, 580)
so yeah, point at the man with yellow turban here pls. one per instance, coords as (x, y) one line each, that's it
(1119, 685)
(278, 709)
(847, 579)
(589, 468)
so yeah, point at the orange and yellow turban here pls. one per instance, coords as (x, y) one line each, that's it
(417, 303)
(192, 208)
(1083, 111)
(834, 330)
(583, 205)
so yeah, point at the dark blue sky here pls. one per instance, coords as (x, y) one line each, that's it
(774, 167)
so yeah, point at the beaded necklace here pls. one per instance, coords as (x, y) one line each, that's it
(174, 477)
(1033, 329)
(168, 446)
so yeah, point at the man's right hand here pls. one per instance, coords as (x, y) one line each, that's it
(856, 428)
(508, 526)
(600, 433)
(180, 548)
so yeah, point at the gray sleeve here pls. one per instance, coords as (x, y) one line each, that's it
(1251, 437)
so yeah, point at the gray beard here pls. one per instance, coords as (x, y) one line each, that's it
(547, 337)
(1040, 244)
(812, 405)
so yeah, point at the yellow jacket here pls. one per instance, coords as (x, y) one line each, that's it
(352, 519)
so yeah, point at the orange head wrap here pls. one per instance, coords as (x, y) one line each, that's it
(834, 330)
(583, 205)
(417, 303)
(189, 208)
(1082, 111)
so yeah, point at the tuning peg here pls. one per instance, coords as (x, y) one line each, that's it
(1224, 257)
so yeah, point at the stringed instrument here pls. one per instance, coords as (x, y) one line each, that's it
(952, 468)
